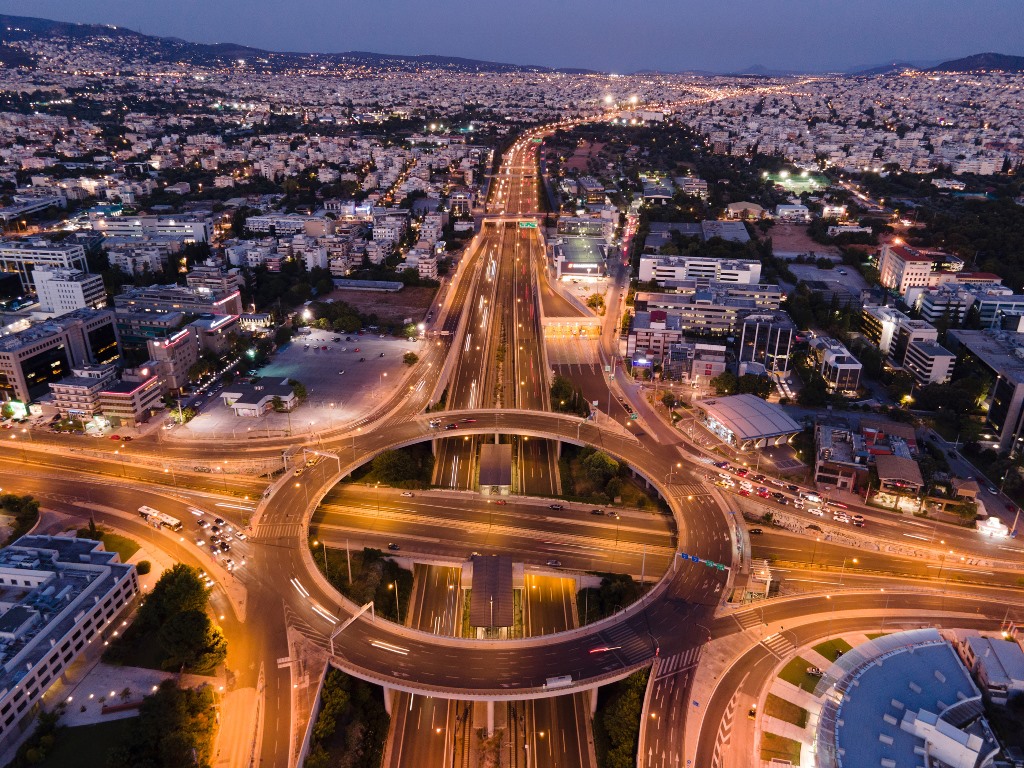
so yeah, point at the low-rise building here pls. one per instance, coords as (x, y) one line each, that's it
(746, 421)
(693, 361)
(579, 258)
(841, 458)
(256, 399)
(929, 363)
(840, 369)
(996, 663)
(57, 595)
(666, 268)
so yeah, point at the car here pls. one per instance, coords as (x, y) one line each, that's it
(798, 504)
(816, 511)
(992, 489)
(556, 506)
(792, 488)
(553, 563)
(348, 338)
(857, 518)
(299, 471)
(215, 531)
(344, 349)
(744, 491)
(841, 271)
(758, 478)
(336, 339)
(341, 372)
(200, 543)
(224, 546)
(356, 349)
(776, 483)
(218, 520)
(836, 504)
(127, 438)
(742, 472)
(362, 359)
(383, 335)
(196, 512)
(840, 518)
(115, 437)
(240, 536)
(306, 346)
(755, 531)
(408, 494)
(813, 527)
(452, 425)
(435, 423)
(202, 524)
(815, 671)
(501, 502)
(393, 547)
(763, 493)
(467, 421)
(324, 347)
(752, 712)
(858, 523)
(597, 511)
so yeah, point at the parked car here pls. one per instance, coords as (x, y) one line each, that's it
(553, 563)
(393, 547)
(556, 506)
(408, 494)
(755, 531)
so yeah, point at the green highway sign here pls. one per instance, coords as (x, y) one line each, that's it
(527, 224)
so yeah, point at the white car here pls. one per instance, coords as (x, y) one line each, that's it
(200, 543)
(798, 504)
(240, 536)
(840, 518)
(817, 512)
(408, 494)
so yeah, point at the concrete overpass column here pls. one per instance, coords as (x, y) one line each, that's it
(593, 702)
(558, 450)
(389, 695)
(490, 718)
(433, 448)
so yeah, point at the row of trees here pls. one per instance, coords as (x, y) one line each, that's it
(351, 727)
(566, 397)
(24, 510)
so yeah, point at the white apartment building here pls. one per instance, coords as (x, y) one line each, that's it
(65, 290)
(665, 268)
(901, 268)
(193, 230)
(24, 256)
(929, 362)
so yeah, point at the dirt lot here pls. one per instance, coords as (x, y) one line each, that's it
(391, 308)
(793, 239)
(586, 151)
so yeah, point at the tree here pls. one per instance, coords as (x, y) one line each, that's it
(725, 383)
(298, 389)
(392, 467)
(668, 400)
(189, 639)
(600, 467)
(178, 590)
(410, 358)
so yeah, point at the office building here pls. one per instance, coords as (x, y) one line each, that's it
(78, 396)
(159, 299)
(693, 362)
(891, 331)
(837, 366)
(651, 334)
(767, 338)
(1001, 355)
(64, 290)
(579, 258)
(58, 595)
(211, 278)
(666, 268)
(841, 458)
(930, 363)
(174, 355)
(32, 358)
(902, 268)
(22, 257)
(191, 229)
(131, 401)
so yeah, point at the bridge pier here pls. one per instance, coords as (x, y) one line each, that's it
(389, 696)
(593, 701)
(490, 718)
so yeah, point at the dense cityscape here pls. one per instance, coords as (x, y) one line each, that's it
(380, 411)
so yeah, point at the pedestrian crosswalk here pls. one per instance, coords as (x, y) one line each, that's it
(747, 619)
(779, 645)
(272, 531)
(678, 662)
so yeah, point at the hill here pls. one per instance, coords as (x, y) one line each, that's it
(979, 61)
(132, 46)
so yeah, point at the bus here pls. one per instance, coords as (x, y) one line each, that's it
(159, 518)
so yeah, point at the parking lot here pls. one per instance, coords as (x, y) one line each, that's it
(342, 384)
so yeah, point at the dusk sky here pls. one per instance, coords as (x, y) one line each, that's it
(600, 34)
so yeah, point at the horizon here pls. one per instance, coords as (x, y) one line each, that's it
(751, 34)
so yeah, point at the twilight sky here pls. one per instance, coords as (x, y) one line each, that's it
(618, 36)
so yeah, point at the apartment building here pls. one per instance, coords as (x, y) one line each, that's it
(652, 333)
(174, 356)
(893, 331)
(210, 277)
(64, 290)
(23, 257)
(77, 396)
(58, 595)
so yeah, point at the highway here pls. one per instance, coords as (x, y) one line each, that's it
(422, 728)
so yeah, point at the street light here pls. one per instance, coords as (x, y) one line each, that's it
(394, 585)
(327, 572)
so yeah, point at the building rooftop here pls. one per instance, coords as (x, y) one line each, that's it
(898, 469)
(1002, 351)
(749, 417)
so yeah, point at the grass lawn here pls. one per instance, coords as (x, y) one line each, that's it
(829, 647)
(876, 635)
(124, 546)
(773, 746)
(785, 710)
(87, 745)
(796, 673)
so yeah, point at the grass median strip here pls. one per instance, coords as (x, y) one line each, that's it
(775, 747)
(795, 672)
(779, 708)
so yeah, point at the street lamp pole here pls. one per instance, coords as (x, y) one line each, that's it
(398, 610)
